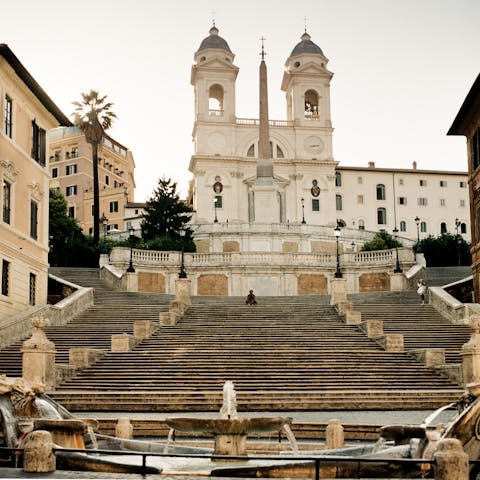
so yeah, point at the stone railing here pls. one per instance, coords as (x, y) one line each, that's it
(256, 121)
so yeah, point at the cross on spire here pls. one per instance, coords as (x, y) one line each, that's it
(305, 23)
(213, 17)
(262, 53)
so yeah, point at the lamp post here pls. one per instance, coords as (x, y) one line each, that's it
(459, 240)
(337, 230)
(302, 201)
(215, 209)
(397, 267)
(131, 241)
(417, 223)
(104, 221)
(182, 273)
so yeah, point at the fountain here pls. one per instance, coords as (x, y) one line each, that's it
(230, 432)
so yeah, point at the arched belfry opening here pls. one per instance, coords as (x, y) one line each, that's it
(311, 104)
(215, 99)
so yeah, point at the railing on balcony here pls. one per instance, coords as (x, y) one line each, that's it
(256, 121)
(216, 113)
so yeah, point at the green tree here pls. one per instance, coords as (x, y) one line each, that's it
(68, 244)
(382, 240)
(165, 216)
(445, 250)
(94, 117)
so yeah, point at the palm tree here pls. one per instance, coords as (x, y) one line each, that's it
(94, 117)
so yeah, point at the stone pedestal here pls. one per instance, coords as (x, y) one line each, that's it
(353, 317)
(394, 342)
(451, 460)
(470, 354)
(338, 287)
(434, 357)
(38, 454)
(235, 445)
(38, 356)
(121, 342)
(398, 282)
(142, 329)
(177, 307)
(183, 290)
(131, 281)
(81, 357)
(343, 307)
(124, 428)
(374, 328)
(334, 435)
(167, 319)
(103, 260)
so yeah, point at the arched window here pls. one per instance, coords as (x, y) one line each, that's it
(338, 201)
(341, 223)
(381, 216)
(311, 104)
(338, 179)
(403, 226)
(280, 152)
(215, 100)
(443, 227)
(361, 224)
(251, 151)
(381, 191)
(423, 227)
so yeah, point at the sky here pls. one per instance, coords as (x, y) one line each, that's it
(401, 70)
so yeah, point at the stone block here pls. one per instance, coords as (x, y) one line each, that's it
(122, 342)
(393, 342)
(338, 291)
(142, 329)
(470, 354)
(38, 455)
(230, 246)
(343, 307)
(334, 435)
(312, 284)
(151, 282)
(289, 247)
(81, 357)
(212, 284)
(177, 307)
(202, 246)
(352, 317)
(434, 357)
(183, 290)
(398, 282)
(451, 462)
(167, 319)
(374, 282)
(123, 428)
(131, 281)
(373, 328)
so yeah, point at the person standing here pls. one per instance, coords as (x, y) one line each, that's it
(422, 290)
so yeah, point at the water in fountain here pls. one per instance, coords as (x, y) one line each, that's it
(46, 409)
(291, 438)
(169, 439)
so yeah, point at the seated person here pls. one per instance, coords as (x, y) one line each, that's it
(251, 298)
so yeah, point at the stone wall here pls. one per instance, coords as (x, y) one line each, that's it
(230, 246)
(312, 284)
(151, 282)
(212, 284)
(374, 282)
(290, 247)
(203, 246)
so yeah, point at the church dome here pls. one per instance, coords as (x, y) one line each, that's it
(214, 41)
(306, 46)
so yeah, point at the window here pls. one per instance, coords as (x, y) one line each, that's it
(8, 116)
(311, 104)
(33, 219)
(401, 181)
(462, 203)
(5, 275)
(423, 227)
(423, 183)
(360, 199)
(92, 210)
(443, 227)
(71, 212)
(215, 100)
(338, 202)
(251, 151)
(463, 228)
(218, 201)
(54, 172)
(475, 149)
(403, 226)
(280, 152)
(361, 224)
(380, 191)
(58, 155)
(463, 184)
(38, 144)
(71, 169)
(443, 183)
(114, 206)
(359, 180)
(107, 180)
(402, 200)
(6, 201)
(338, 179)
(442, 202)
(422, 201)
(381, 216)
(32, 289)
(71, 190)
(315, 205)
(74, 153)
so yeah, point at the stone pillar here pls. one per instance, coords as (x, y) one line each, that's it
(434, 357)
(38, 454)
(103, 260)
(167, 319)
(38, 356)
(131, 281)
(121, 342)
(334, 435)
(338, 287)
(234, 445)
(177, 307)
(451, 460)
(394, 342)
(343, 307)
(470, 354)
(353, 317)
(124, 428)
(398, 282)
(374, 328)
(183, 289)
(142, 329)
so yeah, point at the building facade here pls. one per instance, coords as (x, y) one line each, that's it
(71, 173)
(27, 114)
(467, 123)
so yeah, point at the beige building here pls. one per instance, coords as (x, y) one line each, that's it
(71, 173)
(27, 114)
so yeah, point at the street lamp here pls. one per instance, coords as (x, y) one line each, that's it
(104, 221)
(131, 240)
(215, 209)
(182, 273)
(337, 230)
(418, 248)
(302, 201)
(459, 240)
(397, 267)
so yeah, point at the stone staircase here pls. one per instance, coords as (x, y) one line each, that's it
(439, 276)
